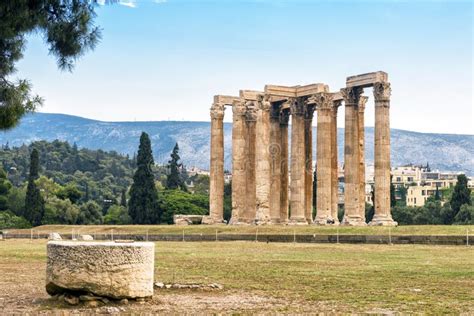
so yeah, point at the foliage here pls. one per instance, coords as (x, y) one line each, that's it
(181, 202)
(227, 201)
(174, 179)
(96, 174)
(5, 187)
(16, 200)
(10, 220)
(69, 31)
(117, 215)
(143, 204)
(58, 211)
(461, 194)
(89, 214)
(71, 192)
(465, 216)
(34, 203)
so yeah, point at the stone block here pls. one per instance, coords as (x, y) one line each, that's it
(54, 236)
(366, 80)
(85, 238)
(187, 219)
(107, 269)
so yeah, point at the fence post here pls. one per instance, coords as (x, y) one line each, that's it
(390, 235)
(183, 234)
(337, 236)
(294, 236)
(256, 235)
(112, 235)
(31, 234)
(467, 237)
(216, 234)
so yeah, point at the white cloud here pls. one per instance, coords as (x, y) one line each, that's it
(128, 3)
(101, 2)
(160, 1)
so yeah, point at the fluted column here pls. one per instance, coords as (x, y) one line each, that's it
(382, 215)
(334, 164)
(262, 175)
(324, 105)
(297, 182)
(284, 118)
(216, 190)
(249, 213)
(238, 161)
(308, 145)
(275, 163)
(362, 102)
(351, 158)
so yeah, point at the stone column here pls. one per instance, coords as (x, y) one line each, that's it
(238, 161)
(262, 171)
(382, 215)
(324, 106)
(250, 211)
(351, 158)
(362, 102)
(284, 118)
(216, 190)
(334, 164)
(297, 183)
(275, 163)
(308, 145)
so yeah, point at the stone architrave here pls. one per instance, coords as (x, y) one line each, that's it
(275, 163)
(216, 190)
(351, 158)
(262, 170)
(297, 182)
(238, 160)
(334, 164)
(284, 188)
(324, 105)
(362, 102)
(308, 144)
(249, 213)
(382, 214)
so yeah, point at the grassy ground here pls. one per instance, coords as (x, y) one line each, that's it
(261, 277)
(227, 229)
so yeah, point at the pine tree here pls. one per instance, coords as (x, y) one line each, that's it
(437, 195)
(393, 200)
(34, 203)
(143, 203)
(174, 180)
(461, 194)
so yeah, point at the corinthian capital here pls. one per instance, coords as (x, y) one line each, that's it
(238, 108)
(351, 95)
(382, 91)
(217, 111)
(251, 111)
(362, 102)
(296, 106)
(323, 100)
(264, 102)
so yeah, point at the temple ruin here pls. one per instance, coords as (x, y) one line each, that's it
(262, 190)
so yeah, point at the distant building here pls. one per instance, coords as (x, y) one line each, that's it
(417, 195)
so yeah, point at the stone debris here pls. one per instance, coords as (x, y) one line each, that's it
(187, 219)
(71, 300)
(86, 237)
(54, 236)
(211, 286)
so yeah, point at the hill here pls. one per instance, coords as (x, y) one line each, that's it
(446, 152)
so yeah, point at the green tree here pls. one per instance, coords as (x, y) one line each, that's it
(227, 201)
(393, 200)
(59, 211)
(16, 200)
(34, 203)
(5, 187)
(68, 29)
(123, 198)
(174, 179)
(182, 202)
(461, 194)
(71, 192)
(403, 195)
(437, 195)
(10, 220)
(143, 204)
(89, 214)
(117, 215)
(465, 216)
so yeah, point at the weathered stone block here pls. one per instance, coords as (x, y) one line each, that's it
(187, 219)
(116, 270)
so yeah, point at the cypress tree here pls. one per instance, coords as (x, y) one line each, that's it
(5, 187)
(143, 203)
(34, 203)
(461, 194)
(174, 180)
(437, 196)
(393, 200)
(123, 198)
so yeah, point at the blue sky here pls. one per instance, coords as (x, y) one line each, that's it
(164, 60)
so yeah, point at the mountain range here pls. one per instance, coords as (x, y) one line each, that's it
(446, 152)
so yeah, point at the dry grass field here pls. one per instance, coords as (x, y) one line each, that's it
(270, 278)
(270, 229)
